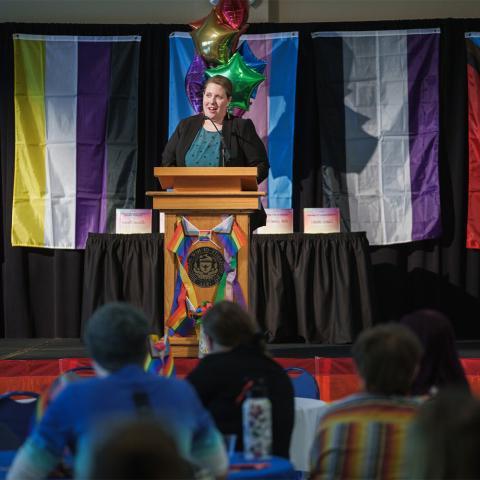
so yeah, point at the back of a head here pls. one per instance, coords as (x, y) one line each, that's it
(386, 357)
(445, 437)
(116, 335)
(135, 449)
(440, 365)
(227, 324)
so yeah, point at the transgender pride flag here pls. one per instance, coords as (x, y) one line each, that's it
(272, 111)
(76, 102)
(378, 107)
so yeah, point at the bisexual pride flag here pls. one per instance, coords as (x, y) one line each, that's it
(473, 74)
(76, 101)
(272, 110)
(378, 107)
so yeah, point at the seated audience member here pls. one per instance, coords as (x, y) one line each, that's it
(440, 365)
(133, 449)
(364, 435)
(116, 338)
(445, 437)
(237, 358)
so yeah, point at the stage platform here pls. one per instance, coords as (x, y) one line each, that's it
(55, 348)
(33, 364)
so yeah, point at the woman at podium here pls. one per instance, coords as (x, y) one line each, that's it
(215, 139)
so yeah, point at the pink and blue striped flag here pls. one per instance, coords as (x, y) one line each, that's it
(272, 110)
(76, 101)
(378, 108)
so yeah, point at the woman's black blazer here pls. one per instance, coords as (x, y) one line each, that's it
(245, 148)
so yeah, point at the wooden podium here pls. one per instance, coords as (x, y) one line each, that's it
(206, 196)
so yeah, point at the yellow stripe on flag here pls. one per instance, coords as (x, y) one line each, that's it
(29, 188)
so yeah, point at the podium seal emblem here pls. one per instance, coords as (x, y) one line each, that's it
(205, 266)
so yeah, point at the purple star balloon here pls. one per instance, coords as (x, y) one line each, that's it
(194, 81)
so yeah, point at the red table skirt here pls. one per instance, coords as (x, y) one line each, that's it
(336, 377)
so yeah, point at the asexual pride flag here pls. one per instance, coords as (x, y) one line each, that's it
(76, 101)
(378, 107)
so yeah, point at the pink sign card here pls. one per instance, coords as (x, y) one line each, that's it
(321, 220)
(279, 220)
(133, 220)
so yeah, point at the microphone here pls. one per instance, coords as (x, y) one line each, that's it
(225, 150)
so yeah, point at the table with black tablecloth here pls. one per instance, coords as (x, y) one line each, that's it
(303, 287)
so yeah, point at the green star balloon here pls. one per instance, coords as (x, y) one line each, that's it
(213, 39)
(243, 78)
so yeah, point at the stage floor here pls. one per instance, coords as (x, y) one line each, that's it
(55, 348)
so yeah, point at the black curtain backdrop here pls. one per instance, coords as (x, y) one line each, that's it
(42, 289)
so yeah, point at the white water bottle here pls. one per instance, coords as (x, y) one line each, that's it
(257, 423)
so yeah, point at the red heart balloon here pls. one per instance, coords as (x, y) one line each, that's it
(234, 12)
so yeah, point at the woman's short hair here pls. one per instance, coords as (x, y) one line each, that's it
(116, 335)
(229, 325)
(386, 357)
(224, 82)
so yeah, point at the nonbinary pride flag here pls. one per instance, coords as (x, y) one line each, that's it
(272, 111)
(473, 74)
(378, 105)
(76, 101)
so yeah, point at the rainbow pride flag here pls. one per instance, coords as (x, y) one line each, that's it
(160, 357)
(76, 101)
(272, 111)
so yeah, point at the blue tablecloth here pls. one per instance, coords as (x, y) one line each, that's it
(274, 467)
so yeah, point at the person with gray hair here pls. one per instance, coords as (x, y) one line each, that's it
(365, 434)
(387, 357)
(116, 339)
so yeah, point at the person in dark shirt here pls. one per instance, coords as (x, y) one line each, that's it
(237, 359)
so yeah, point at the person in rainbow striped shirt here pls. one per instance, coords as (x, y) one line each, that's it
(364, 436)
